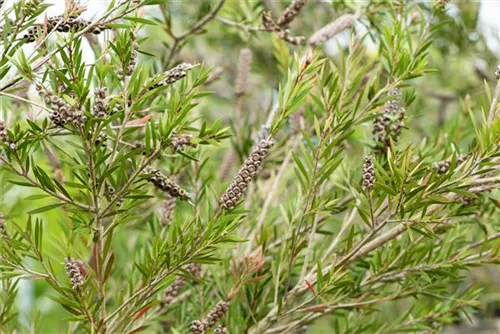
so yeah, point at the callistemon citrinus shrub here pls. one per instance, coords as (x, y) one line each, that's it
(227, 167)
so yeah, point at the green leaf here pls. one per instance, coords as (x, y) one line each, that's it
(45, 208)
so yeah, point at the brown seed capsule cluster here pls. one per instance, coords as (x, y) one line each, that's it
(4, 137)
(62, 24)
(174, 74)
(168, 209)
(244, 64)
(497, 73)
(220, 330)
(101, 140)
(178, 142)
(74, 273)
(388, 126)
(443, 166)
(62, 112)
(173, 290)
(3, 132)
(330, 30)
(3, 230)
(250, 168)
(282, 32)
(368, 173)
(197, 327)
(200, 327)
(100, 108)
(216, 314)
(291, 12)
(132, 61)
(466, 201)
(167, 185)
(112, 193)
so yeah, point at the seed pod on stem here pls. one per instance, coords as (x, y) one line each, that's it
(332, 29)
(3, 230)
(368, 173)
(291, 12)
(74, 273)
(250, 168)
(167, 185)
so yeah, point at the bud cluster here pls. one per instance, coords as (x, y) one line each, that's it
(173, 290)
(283, 32)
(167, 185)
(388, 126)
(62, 24)
(497, 73)
(74, 273)
(250, 168)
(173, 75)
(368, 173)
(100, 108)
(62, 112)
(3, 231)
(168, 209)
(290, 13)
(443, 166)
(200, 327)
(177, 142)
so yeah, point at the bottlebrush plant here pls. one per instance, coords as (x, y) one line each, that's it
(150, 184)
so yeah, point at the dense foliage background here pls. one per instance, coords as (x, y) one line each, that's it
(369, 131)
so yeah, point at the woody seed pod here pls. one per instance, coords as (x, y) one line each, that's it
(3, 230)
(291, 12)
(74, 274)
(173, 290)
(388, 126)
(368, 173)
(168, 209)
(197, 327)
(62, 24)
(167, 185)
(216, 314)
(177, 142)
(3, 132)
(174, 74)
(220, 330)
(250, 168)
(331, 29)
(101, 106)
(443, 166)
